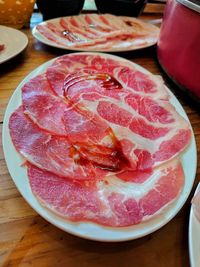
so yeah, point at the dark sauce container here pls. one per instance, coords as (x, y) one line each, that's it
(59, 8)
(131, 8)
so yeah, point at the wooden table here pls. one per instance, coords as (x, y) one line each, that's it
(26, 239)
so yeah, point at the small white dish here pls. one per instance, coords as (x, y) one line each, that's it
(194, 237)
(90, 230)
(14, 40)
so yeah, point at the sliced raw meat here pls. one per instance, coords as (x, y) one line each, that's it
(138, 177)
(73, 35)
(57, 116)
(51, 153)
(110, 202)
(84, 24)
(96, 23)
(43, 106)
(99, 32)
(110, 26)
(89, 133)
(57, 72)
(116, 115)
(49, 35)
(145, 84)
(79, 23)
(67, 39)
(99, 26)
(101, 140)
(85, 33)
(154, 143)
(64, 34)
(137, 110)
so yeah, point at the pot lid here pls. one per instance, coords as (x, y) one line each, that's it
(192, 4)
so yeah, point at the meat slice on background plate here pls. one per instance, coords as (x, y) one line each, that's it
(134, 104)
(101, 26)
(98, 32)
(109, 202)
(65, 33)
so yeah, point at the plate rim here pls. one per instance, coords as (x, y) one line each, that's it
(190, 238)
(45, 41)
(21, 35)
(40, 70)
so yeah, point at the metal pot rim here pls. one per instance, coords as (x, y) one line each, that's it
(192, 5)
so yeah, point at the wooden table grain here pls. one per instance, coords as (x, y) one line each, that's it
(26, 239)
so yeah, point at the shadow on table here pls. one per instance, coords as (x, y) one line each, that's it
(12, 64)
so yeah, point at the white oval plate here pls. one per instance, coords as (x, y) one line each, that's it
(86, 229)
(46, 41)
(194, 237)
(14, 40)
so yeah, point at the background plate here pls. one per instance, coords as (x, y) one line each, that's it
(194, 238)
(15, 42)
(83, 229)
(44, 40)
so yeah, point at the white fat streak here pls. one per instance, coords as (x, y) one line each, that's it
(161, 89)
(92, 105)
(142, 143)
(134, 42)
(60, 40)
(131, 190)
(128, 189)
(55, 160)
(95, 17)
(83, 38)
(34, 160)
(122, 132)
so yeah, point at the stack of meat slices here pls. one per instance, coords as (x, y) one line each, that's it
(99, 32)
(101, 140)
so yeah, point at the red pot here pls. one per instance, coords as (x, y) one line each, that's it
(179, 43)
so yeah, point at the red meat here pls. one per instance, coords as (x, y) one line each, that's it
(134, 104)
(51, 153)
(109, 202)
